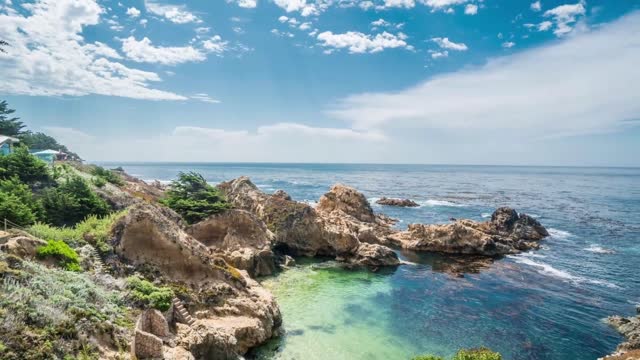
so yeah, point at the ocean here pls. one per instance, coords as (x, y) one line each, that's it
(545, 304)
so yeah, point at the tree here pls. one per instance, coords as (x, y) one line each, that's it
(71, 202)
(43, 141)
(193, 198)
(24, 166)
(2, 45)
(9, 126)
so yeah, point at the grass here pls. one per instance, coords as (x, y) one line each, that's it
(145, 293)
(67, 257)
(94, 230)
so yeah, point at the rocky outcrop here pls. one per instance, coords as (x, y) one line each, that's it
(506, 233)
(241, 238)
(151, 328)
(630, 329)
(397, 202)
(232, 312)
(339, 224)
(20, 244)
(374, 255)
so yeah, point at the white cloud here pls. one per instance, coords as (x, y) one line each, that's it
(145, 51)
(445, 43)
(247, 4)
(536, 6)
(439, 54)
(214, 144)
(49, 57)
(564, 16)
(215, 45)
(366, 5)
(544, 26)
(587, 83)
(440, 4)
(358, 43)
(399, 3)
(133, 12)
(471, 9)
(291, 5)
(508, 44)
(283, 19)
(143, 22)
(205, 98)
(279, 33)
(380, 22)
(178, 14)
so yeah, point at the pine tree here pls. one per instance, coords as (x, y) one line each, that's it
(9, 126)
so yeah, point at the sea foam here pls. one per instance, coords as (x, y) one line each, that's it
(559, 234)
(549, 270)
(595, 248)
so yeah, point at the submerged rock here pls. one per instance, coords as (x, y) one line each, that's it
(506, 233)
(397, 202)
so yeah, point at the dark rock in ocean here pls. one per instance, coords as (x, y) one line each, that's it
(506, 233)
(282, 194)
(397, 202)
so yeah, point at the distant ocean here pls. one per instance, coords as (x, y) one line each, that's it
(546, 304)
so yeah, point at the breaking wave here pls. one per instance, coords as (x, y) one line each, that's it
(546, 269)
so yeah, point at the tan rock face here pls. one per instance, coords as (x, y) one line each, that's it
(24, 246)
(242, 239)
(506, 233)
(335, 228)
(348, 201)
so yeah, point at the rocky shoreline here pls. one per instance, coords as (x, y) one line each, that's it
(221, 311)
(629, 327)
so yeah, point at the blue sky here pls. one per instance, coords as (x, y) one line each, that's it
(391, 81)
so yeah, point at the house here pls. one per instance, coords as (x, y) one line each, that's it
(48, 156)
(6, 144)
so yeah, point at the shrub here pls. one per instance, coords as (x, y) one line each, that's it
(59, 250)
(193, 198)
(95, 230)
(14, 210)
(99, 182)
(477, 354)
(107, 175)
(466, 354)
(24, 166)
(22, 192)
(41, 311)
(71, 202)
(144, 293)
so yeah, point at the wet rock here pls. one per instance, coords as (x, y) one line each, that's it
(506, 233)
(374, 255)
(397, 202)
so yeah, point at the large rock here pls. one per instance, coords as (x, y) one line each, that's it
(150, 329)
(630, 329)
(241, 237)
(506, 233)
(233, 314)
(374, 255)
(20, 244)
(347, 200)
(336, 227)
(397, 202)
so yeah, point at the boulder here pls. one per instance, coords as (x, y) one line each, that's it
(506, 233)
(242, 239)
(336, 227)
(397, 202)
(374, 255)
(347, 200)
(20, 244)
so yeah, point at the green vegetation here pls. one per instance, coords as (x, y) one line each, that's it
(107, 175)
(44, 310)
(59, 250)
(12, 209)
(71, 202)
(9, 126)
(26, 167)
(144, 293)
(466, 354)
(94, 230)
(41, 141)
(193, 198)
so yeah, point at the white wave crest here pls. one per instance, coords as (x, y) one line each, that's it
(435, 202)
(485, 215)
(546, 269)
(559, 234)
(595, 248)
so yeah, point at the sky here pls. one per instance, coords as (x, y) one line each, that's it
(502, 82)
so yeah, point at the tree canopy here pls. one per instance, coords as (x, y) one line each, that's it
(193, 198)
(9, 126)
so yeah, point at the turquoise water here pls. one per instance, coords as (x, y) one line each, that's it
(546, 304)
